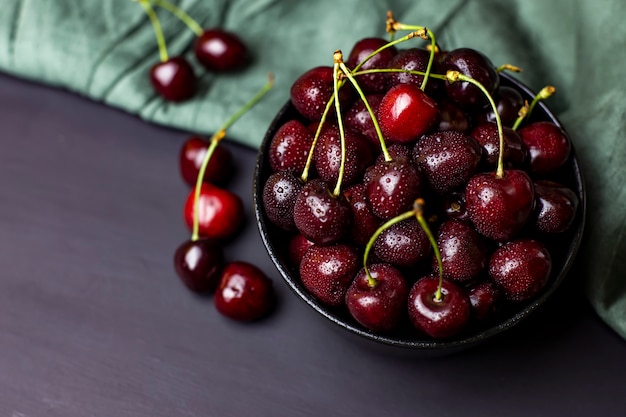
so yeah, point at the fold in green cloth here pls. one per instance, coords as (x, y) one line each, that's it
(103, 50)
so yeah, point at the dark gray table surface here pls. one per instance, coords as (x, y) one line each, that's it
(94, 321)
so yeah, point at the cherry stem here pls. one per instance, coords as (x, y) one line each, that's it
(545, 92)
(213, 142)
(350, 77)
(425, 34)
(420, 34)
(158, 31)
(371, 281)
(338, 59)
(508, 67)
(309, 160)
(179, 13)
(454, 76)
(418, 211)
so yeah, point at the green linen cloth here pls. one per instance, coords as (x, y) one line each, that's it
(103, 49)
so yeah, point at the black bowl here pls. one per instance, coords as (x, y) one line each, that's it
(563, 251)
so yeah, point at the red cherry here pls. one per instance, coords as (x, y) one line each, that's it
(548, 146)
(220, 212)
(312, 90)
(199, 264)
(173, 79)
(405, 113)
(218, 169)
(245, 293)
(220, 50)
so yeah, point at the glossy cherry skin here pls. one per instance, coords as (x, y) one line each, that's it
(364, 222)
(548, 146)
(327, 271)
(439, 319)
(509, 102)
(298, 245)
(199, 264)
(520, 268)
(359, 119)
(379, 306)
(486, 134)
(500, 207)
(473, 64)
(447, 159)
(371, 83)
(392, 187)
(319, 216)
(312, 90)
(404, 244)
(485, 298)
(279, 198)
(219, 168)
(289, 147)
(555, 208)
(413, 59)
(220, 212)
(173, 79)
(405, 113)
(463, 251)
(220, 50)
(244, 293)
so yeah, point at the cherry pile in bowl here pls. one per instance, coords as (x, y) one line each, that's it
(419, 217)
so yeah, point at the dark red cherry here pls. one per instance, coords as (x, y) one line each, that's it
(279, 198)
(447, 159)
(321, 217)
(454, 205)
(289, 147)
(220, 50)
(509, 102)
(298, 245)
(473, 64)
(463, 251)
(439, 318)
(312, 90)
(452, 117)
(392, 187)
(403, 244)
(500, 207)
(244, 293)
(327, 156)
(412, 59)
(364, 222)
(555, 207)
(548, 146)
(220, 212)
(520, 268)
(486, 134)
(371, 83)
(359, 119)
(405, 113)
(173, 79)
(485, 299)
(378, 304)
(219, 168)
(327, 271)
(397, 151)
(199, 264)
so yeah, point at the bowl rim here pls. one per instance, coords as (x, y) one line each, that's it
(426, 344)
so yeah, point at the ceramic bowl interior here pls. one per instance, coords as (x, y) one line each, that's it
(563, 250)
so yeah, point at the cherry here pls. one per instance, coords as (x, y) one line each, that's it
(320, 216)
(442, 317)
(298, 245)
(289, 147)
(396, 151)
(447, 159)
(358, 118)
(486, 134)
(454, 205)
(244, 293)
(500, 206)
(279, 198)
(220, 212)
(452, 117)
(378, 302)
(199, 264)
(555, 207)
(192, 153)
(371, 83)
(392, 186)
(520, 268)
(312, 91)
(463, 251)
(173, 79)
(220, 50)
(485, 299)
(412, 59)
(509, 102)
(327, 271)
(548, 146)
(403, 244)
(405, 113)
(475, 65)
(365, 222)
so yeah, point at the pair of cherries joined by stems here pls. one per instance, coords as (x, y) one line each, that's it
(217, 50)
(214, 215)
(459, 162)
